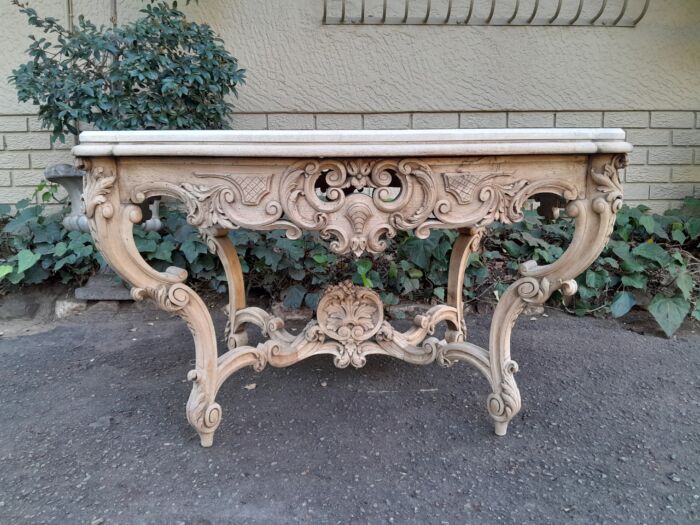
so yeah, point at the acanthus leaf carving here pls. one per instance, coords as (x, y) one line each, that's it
(349, 313)
(607, 182)
(98, 185)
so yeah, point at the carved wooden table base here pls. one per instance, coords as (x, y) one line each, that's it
(355, 203)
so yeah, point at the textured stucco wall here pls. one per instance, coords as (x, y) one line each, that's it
(296, 64)
(304, 74)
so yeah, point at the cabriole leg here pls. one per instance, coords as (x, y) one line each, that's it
(466, 243)
(111, 224)
(594, 217)
(220, 244)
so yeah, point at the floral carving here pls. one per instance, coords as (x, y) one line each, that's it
(349, 313)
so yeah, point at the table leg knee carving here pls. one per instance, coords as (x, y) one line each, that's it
(111, 224)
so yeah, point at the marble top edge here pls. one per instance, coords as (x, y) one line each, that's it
(350, 136)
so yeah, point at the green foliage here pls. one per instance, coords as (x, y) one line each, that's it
(158, 72)
(35, 247)
(651, 261)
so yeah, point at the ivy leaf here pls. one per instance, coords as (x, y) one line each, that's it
(632, 265)
(271, 258)
(389, 298)
(512, 248)
(311, 300)
(621, 249)
(60, 249)
(26, 259)
(439, 292)
(596, 279)
(142, 245)
(622, 303)
(364, 266)
(68, 259)
(192, 248)
(294, 296)
(5, 269)
(635, 280)
(164, 252)
(297, 274)
(669, 312)
(647, 221)
(684, 282)
(693, 227)
(393, 272)
(653, 252)
(415, 273)
(678, 236)
(320, 258)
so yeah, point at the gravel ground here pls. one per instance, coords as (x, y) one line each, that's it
(95, 432)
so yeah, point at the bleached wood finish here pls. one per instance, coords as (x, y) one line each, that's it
(355, 200)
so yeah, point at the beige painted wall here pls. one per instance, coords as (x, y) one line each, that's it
(304, 74)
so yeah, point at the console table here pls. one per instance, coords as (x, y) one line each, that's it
(356, 188)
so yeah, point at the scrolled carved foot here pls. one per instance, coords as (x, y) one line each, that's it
(204, 415)
(504, 403)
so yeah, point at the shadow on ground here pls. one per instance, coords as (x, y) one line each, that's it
(94, 431)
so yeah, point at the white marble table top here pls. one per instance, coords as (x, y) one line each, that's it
(352, 143)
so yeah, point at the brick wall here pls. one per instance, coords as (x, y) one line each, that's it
(664, 166)
(24, 153)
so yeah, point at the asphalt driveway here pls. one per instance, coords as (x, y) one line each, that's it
(94, 431)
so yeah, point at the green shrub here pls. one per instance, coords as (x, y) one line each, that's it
(158, 72)
(651, 260)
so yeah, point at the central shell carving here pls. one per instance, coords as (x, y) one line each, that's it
(350, 313)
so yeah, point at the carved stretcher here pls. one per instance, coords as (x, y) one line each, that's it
(357, 188)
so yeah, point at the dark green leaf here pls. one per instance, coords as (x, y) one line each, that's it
(294, 296)
(635, 280)
(684, 282)
(26, 259)
(648, 223)
(678, 236)
(622, 303)
(669, 312)
(653, 252)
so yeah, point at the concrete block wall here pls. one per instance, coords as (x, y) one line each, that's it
(664, 167)
(25, 151)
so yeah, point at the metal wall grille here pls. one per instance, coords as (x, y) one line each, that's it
(574, 13)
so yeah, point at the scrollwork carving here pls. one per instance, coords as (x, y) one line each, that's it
(169, 297)
(357, 204)
(202, 414)
(364, 202)
(607, 182)
(98, 184)
(505, 402)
